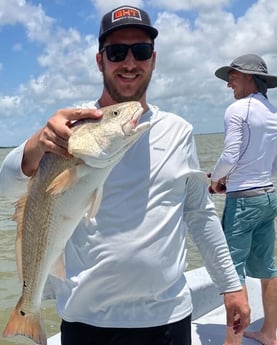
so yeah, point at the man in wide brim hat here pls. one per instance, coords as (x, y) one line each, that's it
(248, 64)
(244, 171)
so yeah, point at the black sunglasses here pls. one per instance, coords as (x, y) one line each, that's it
(118, 52)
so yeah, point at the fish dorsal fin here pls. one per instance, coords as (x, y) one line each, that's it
(18, 217)
(63, 181)
(96, 198)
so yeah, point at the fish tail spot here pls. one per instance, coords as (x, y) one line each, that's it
(26, 324)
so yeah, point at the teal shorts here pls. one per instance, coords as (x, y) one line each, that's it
(248, 224)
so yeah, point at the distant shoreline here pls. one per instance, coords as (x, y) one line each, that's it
(7, 147)
(195, 134)
(208, 133)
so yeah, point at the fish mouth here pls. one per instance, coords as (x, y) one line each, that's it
(130, 126)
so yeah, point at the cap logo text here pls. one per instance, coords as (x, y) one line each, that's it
(126, 12)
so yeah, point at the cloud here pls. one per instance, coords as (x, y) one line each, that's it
(8, 104)
(195, 37)
(188, 5)
(107, 5)
(33, 18)
(255, 31)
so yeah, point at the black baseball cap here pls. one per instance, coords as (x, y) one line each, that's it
(126, 16)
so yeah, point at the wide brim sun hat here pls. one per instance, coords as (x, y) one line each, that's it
(248, 64)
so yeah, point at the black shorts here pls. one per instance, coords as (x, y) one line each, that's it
(76, 333)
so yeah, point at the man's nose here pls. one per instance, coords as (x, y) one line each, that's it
(130, 59)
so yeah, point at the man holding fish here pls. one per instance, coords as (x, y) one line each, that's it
(124, 277)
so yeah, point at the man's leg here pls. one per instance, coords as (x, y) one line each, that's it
(177, 333)
(77, 333)
(267, 334)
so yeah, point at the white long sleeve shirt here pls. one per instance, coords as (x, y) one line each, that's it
(249, 156)
(126, 267)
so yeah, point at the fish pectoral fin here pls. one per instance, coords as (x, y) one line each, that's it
(95, 204)
(63, 181)
(58, 268)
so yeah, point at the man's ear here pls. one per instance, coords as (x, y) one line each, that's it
(250, 77)
(99, 61)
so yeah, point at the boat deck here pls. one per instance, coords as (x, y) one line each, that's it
(209, 317)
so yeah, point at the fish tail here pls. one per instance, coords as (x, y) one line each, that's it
(29, 325)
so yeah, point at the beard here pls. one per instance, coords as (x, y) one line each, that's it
(117, 95)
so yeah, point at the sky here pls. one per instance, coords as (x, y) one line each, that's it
(48, 47)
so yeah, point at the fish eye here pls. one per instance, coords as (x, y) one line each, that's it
(115, 112)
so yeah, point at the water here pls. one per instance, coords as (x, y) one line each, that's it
(209, 146)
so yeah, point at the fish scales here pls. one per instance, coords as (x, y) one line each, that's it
(59, 194)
